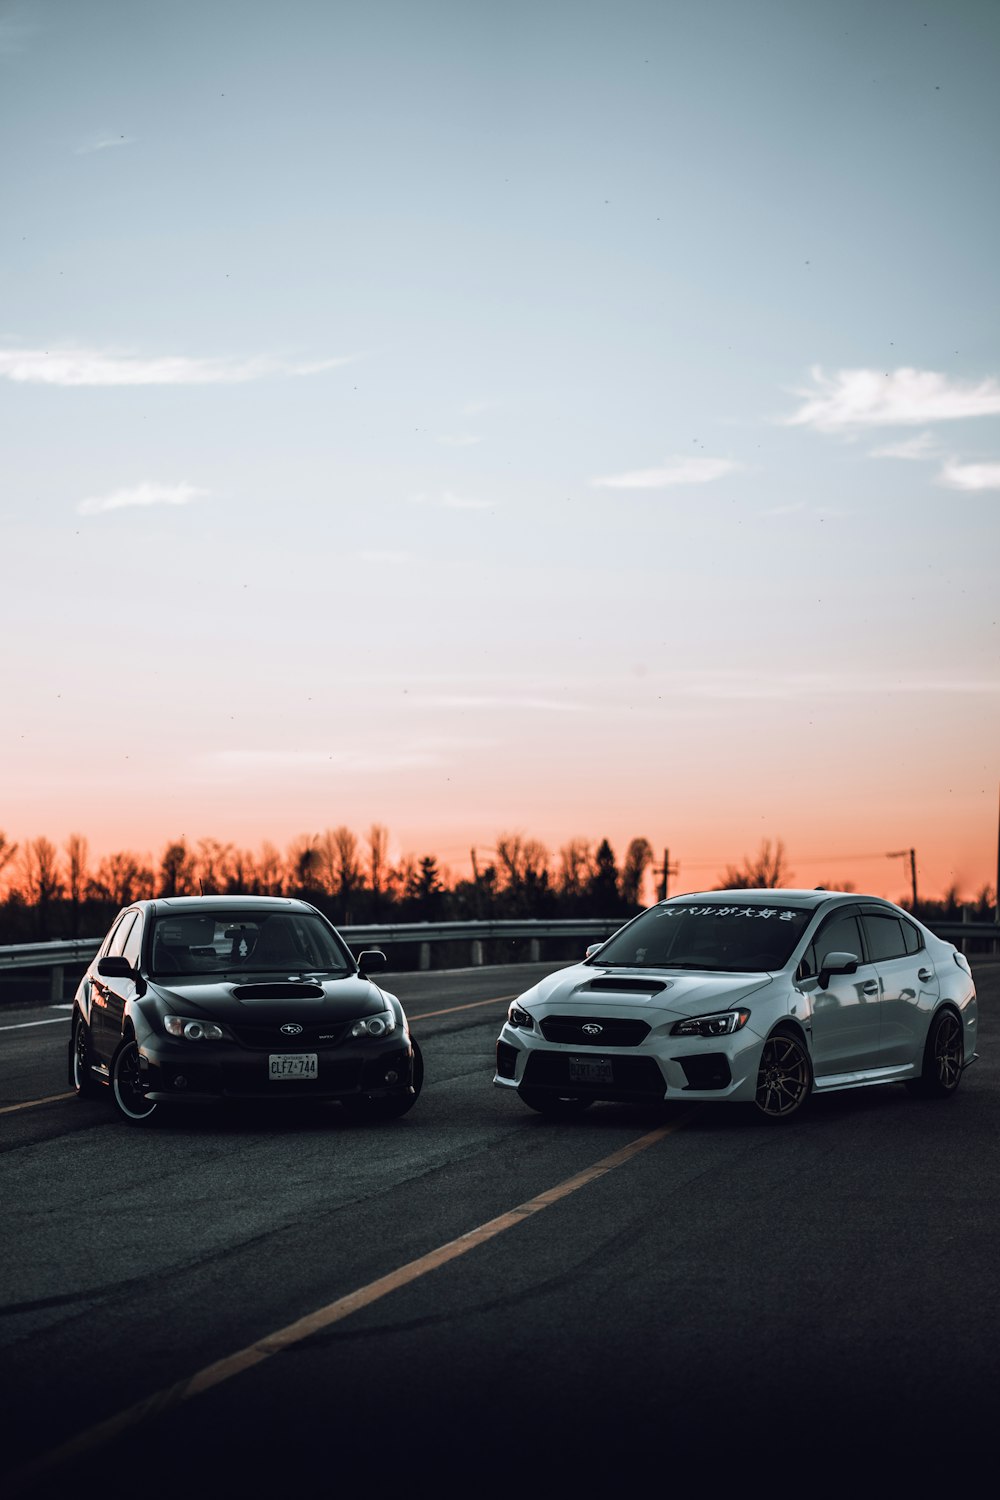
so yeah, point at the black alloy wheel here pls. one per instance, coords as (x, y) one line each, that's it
(944, 1055)
(785, 1076)
(126, 1085)
(85, 1084)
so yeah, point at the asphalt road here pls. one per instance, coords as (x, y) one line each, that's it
(477, 1300)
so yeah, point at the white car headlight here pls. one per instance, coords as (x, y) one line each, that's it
(722, 1023)
(379, 1025)
(519, 1017)
(194, 1031)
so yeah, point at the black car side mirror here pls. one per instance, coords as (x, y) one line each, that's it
(370, 959)
(837, 963)
(116, 966)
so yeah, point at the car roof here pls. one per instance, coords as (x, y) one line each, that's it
(191, 905)
(807, 900)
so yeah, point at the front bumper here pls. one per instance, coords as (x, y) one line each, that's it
(215, 1072)
(680, 1069)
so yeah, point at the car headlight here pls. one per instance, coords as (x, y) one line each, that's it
(194, 1031)
(723, 1023)
(518, 1016)
(379, 1025)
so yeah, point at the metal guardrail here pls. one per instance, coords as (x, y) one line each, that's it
(75, 953)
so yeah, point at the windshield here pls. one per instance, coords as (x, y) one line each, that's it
(247, 942)
(702, 935)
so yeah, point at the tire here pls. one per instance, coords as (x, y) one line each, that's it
(944, 1056)
(785, 1076)
(394, 1106)
(126, 1089)
(555, 1106)
(85, 1085)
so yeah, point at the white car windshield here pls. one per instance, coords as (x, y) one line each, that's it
(716, 937)
(246, 943)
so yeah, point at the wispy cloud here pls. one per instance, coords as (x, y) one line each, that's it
(916, 449)
(853, 399)
(448, 500)
(374, 555)
(102, 142)
(93, 367)
(959, 476)
(367, 759)
(142, 494)
(486, 700)
(674, 471)
(819, 686)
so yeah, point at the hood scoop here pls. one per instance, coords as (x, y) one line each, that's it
(278, 990)
(628, 986)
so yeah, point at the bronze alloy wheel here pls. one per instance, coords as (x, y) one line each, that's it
(944, 1057)
(784, 1079)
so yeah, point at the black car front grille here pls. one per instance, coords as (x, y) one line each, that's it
(267, 1036)
(634, 1077)
(614, 1031)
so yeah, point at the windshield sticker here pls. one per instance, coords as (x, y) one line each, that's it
(762, 912)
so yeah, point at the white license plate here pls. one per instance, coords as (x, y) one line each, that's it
(281, 1065)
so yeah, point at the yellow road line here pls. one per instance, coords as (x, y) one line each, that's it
(454, 1009)
(20, 1480)
(10, 1109)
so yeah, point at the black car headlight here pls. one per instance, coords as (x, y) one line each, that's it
(194, 1031)
(722, 1023)
(379, 1025)
(519, 1017)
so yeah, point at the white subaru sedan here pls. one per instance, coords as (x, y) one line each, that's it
(755, 997)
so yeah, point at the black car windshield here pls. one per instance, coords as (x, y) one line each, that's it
(247, 942)
(716, 937)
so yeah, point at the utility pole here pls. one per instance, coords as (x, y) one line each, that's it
(911, 855)
(664, 872)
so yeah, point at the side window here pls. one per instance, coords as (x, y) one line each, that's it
(111, 937)
(133, 943)
(885, 936)
(912, 937)
(839, 934)
(121, 932)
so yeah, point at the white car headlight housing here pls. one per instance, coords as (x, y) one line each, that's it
(722, 1023)
(519, 1017)
(379, 1025)
(193, 1031)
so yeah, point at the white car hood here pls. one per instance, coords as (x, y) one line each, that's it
(680, 992)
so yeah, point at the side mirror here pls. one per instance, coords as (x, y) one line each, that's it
(837, 963)
(593, 948)
(371, 959)
(116, 967)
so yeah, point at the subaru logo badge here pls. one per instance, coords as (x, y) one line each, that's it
(592, 1029)
(290, 1029)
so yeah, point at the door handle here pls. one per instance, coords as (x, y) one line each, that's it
(925, 975)
(870, 987)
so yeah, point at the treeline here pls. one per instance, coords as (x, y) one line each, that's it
(51, 892)
(47, 892)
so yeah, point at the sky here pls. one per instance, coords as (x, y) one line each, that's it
(574, 420)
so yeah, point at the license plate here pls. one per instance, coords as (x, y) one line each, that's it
(281, 1065)
(590, 1070)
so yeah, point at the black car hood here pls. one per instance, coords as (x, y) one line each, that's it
(271, 997)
